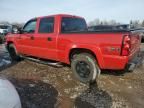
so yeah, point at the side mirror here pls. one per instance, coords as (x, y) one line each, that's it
(16, 30)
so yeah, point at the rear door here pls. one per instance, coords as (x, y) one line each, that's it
(26, 39)
(46, 39)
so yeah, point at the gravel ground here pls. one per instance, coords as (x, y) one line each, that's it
(42, 86)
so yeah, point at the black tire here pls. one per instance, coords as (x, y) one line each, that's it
(85, 68)
(13, 53)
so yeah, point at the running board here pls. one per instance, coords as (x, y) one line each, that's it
(54, 64)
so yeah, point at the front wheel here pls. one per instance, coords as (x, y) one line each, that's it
(13, 53)
(85, 68)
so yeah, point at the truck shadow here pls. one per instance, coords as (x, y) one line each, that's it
(93, 98)
(35, 94)
(114, 72)
(6, 66)
(5, 60)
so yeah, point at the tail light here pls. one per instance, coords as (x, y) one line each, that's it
(126, 45)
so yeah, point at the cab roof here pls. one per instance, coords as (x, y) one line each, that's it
(59, 15)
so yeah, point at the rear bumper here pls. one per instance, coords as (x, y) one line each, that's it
(124, 62)
(135, 62)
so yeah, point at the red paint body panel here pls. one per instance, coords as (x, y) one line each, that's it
(101, 44)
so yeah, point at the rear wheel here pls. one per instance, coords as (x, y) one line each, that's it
(85, 68)
(13, 53)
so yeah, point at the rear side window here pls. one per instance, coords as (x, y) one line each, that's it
(46, 25)
(70, 24)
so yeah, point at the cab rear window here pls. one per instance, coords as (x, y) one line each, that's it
(70, 24)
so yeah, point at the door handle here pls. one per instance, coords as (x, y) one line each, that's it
(49, 39)
(32, 37)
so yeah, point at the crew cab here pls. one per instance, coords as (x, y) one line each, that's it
(66, 39)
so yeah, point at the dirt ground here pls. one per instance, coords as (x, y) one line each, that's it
(42, 86)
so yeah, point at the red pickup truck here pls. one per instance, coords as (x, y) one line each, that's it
(66, 39)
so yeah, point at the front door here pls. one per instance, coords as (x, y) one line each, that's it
(27, 37)
(46, 39)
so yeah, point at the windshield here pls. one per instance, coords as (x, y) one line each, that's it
(3, 27)
(70, 24)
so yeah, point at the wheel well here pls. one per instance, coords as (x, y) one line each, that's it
(80, 50)
(10, 42)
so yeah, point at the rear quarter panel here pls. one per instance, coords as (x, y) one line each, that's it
(107, 47)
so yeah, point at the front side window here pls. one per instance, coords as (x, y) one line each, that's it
(70, 24)
(46, 25)
(30, 27)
